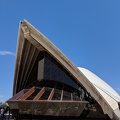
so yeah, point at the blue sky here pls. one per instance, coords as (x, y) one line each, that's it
(86, 31)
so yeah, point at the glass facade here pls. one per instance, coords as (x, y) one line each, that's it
(53, 91)
(54, 75)
(50, 69)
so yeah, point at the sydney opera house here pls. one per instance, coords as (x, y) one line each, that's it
(48, 86)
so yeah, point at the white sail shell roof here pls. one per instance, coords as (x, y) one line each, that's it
(108, 94)
(98, 82)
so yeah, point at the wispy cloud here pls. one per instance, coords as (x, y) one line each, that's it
(6, 53)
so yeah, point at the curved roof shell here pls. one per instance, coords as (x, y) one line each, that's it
(99, 83)
(109, 95)
(107, 98)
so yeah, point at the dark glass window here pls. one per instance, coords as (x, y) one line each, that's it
(55, 75)
(76, 95)
(45, 94)
(60, 86)
(31, 97)
(47, 73)
(66, 96)
(54, 71)
(57, 95)
(60, 75)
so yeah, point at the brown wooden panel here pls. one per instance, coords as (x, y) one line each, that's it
(61, 95)
(40, 94)
(51, 94)
(27, 94)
